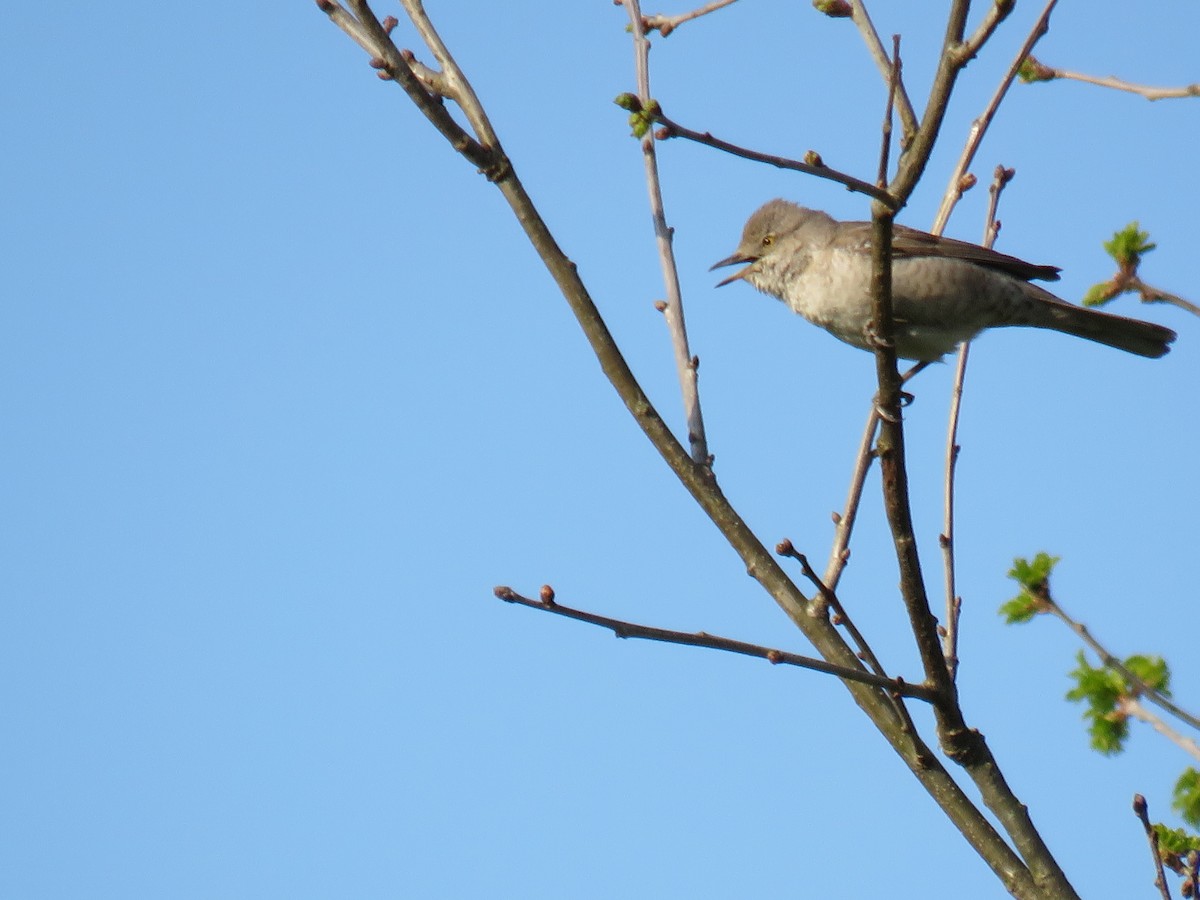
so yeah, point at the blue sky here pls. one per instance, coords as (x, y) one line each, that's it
(286, 393)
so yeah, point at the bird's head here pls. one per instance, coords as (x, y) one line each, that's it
(765, 229)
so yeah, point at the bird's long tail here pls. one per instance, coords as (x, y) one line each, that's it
(1130, 335)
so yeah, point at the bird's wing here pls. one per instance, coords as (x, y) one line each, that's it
(911, 242)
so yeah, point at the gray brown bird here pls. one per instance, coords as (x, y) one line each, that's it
(944, 291)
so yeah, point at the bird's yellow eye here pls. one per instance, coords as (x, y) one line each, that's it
(768, 240)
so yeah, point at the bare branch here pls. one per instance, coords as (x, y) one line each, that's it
(839, 555)
(664, 238)
(996, 14)
(1037, 70)
(1157, 295)
(464, 93)
(980, 126)
(916, 155)
(1129, 282)
(1133, 707)
(815, 167)
(664, 25)
(367, 32)
(1000, 178)
(623, 629)
(1160, 881)
(830, 598)
(886, 142)
(890, 449)
(908, 118)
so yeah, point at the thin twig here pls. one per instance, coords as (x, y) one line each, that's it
(997, 13)
(886, 143)
(830, 597)
(839, 554)
(842, 619)
(1131, 706)
(1039, 71)
(1157, 295)
(980, 126)
(386, 56)
(623, 629)
(1126, 282)
(671, 128)
(664, 25)
(908, 118)
(685, 365)
(465, 94)
(1000, 178)
(946, 538)
(1160, 881)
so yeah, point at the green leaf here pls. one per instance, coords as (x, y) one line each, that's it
(1098, 294)
(1020, 609)
(1033, 574)
(1152, 670)
(1175, 841)
(1128, 245)
(1187, 798)
(1101, 689)
(1033, 577)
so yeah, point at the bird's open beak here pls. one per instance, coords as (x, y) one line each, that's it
(732, 261)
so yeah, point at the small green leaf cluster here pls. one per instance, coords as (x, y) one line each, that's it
(1174, 846)
(1128, 245)
(641, 118)
(1104, 689)
(1186, 800)
(1034, 579)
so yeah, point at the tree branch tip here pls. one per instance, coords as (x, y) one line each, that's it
(1140, 808)
(785, 548)
(505, 593)
(834, 9)
(326, 6)
(546, 595)
(389, 23)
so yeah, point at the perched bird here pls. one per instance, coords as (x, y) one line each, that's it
(944, 291)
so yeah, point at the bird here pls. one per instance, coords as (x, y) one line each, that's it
(944, 291)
